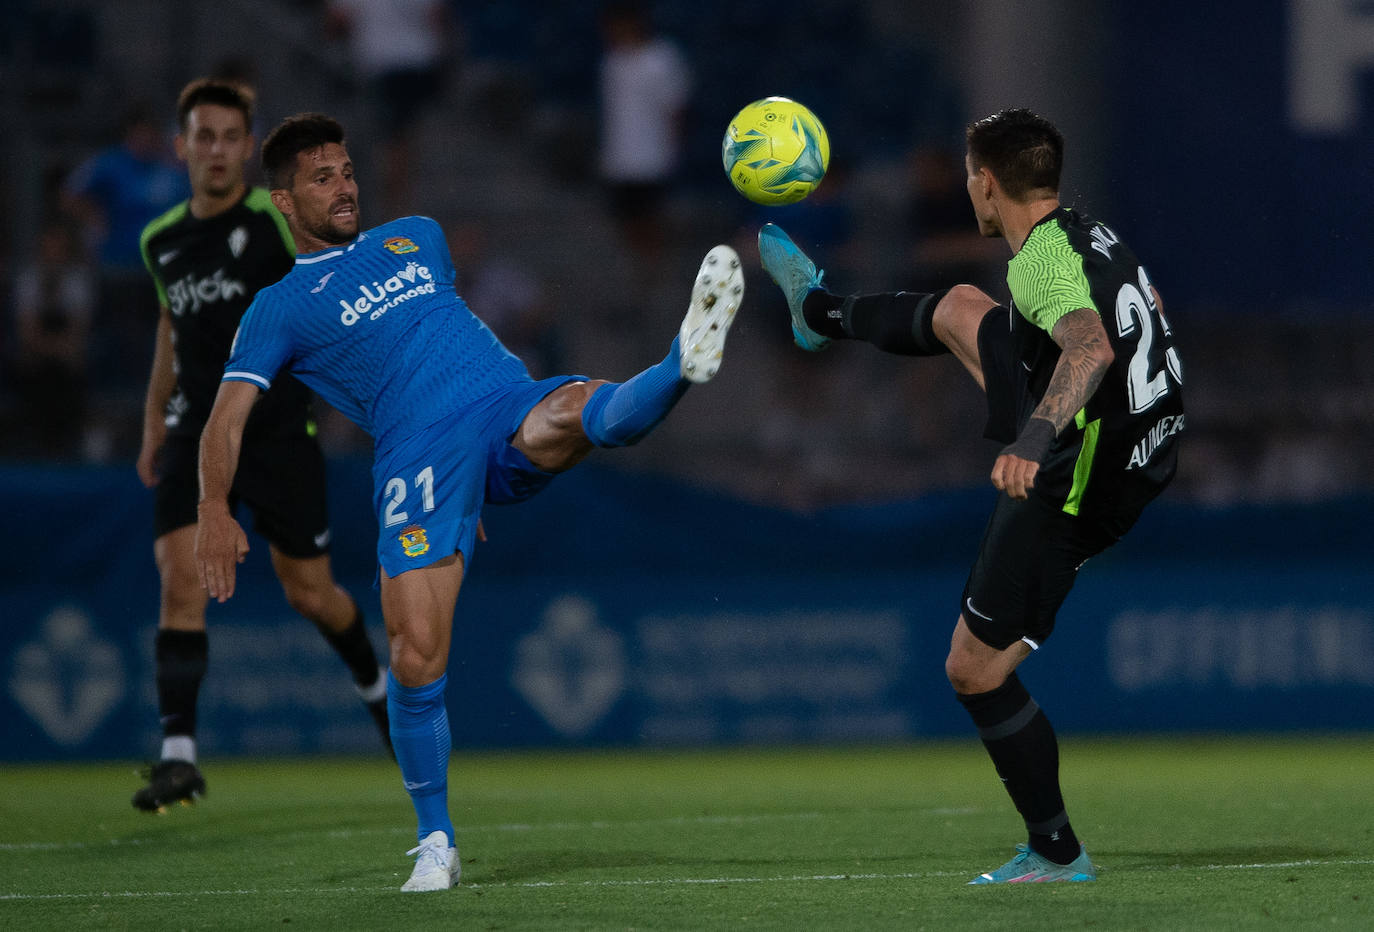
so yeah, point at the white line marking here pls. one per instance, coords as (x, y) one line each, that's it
(665, 882)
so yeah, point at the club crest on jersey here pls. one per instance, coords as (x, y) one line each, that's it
(400, 245)
(237, 241)
(414, 541)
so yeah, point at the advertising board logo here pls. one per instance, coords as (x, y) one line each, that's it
(571, 669)
(67, 679)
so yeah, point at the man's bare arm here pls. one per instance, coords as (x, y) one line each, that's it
(1086, 355)
(161, 382)
(220, 542)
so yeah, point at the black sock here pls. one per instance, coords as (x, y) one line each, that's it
(181, 658)
(900, 322)
(1023, 748)
(822, 312)
(353, 646)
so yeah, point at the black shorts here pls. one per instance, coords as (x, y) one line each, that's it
(1032, 550)
(1004, 380)
(281, 480)
(1031, 553)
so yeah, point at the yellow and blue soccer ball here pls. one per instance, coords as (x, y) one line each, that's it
(775, 151)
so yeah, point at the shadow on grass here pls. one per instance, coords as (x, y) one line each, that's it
(558, 865)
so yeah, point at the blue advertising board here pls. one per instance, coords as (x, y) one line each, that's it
(589, 620)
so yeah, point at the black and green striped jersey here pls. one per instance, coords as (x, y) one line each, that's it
(207, 272)
(1122, 447)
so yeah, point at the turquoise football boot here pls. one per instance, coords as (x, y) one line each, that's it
(797, 276)
(1029, 867)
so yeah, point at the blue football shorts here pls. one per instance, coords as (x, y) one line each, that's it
(428, 490)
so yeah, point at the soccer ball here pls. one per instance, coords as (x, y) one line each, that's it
(775, 151)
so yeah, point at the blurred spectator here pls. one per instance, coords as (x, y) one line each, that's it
(54, 301)
(113, 195)
(645, 85)
(115, 192)
(508, 298)
(946, 247)
(400, 48)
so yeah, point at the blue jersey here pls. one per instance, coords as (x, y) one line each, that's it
(377, 330)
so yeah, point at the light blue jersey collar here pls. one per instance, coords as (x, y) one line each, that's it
(323, 255)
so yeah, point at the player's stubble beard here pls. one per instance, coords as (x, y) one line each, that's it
(334, 232)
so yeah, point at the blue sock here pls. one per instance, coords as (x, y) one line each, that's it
(622, 413)
(421, 738)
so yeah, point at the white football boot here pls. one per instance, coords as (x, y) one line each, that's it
(436, 865)
(716, 296)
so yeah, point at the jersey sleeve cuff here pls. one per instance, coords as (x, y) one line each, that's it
(240, 376)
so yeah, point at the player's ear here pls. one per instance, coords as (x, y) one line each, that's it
(989, 182)
(282, 200)
(179, 145)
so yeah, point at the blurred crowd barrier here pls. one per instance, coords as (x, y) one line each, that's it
(1262, 276)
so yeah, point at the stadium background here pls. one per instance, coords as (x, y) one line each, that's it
(782, 558)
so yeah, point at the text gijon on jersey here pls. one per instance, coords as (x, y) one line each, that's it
(191, 293)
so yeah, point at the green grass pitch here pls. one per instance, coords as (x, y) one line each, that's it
(1198, 833)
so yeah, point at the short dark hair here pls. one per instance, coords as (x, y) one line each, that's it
(231, 94)
(296, 134)
(1023, 150)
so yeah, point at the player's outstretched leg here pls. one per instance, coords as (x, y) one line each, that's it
(621, 413)
(716, 296)
(797, 276)
(1029, 867)
(899, 322)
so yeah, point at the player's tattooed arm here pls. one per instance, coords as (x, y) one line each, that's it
(1087, 353)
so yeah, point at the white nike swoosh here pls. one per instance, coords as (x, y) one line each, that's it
(968, 603)
(416, 786)
(324, 281)
(168, 256)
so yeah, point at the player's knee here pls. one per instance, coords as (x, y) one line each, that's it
(414, 661)
(969, 677)
(962, 307)
(956, 674)
(551, 435)
(183, 599)
(308, 599)
(563, 411)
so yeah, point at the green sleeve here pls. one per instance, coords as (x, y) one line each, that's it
(1046, 278)
(154, 227)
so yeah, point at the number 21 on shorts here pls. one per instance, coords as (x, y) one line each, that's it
(397, 492)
